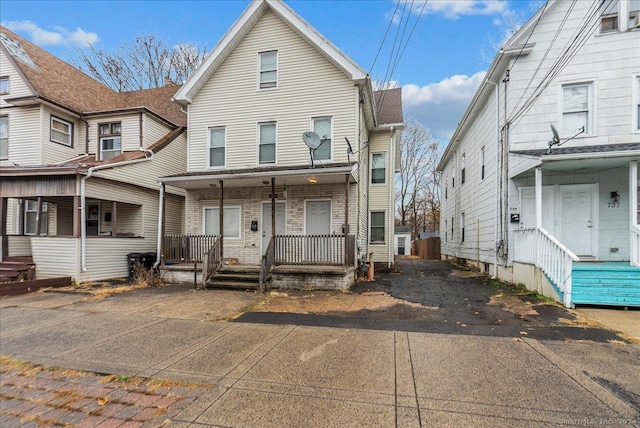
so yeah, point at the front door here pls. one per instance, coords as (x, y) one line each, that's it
(318, 222)
(266, 222)
(578, 222)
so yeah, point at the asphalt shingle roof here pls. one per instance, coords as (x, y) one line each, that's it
(389, 106)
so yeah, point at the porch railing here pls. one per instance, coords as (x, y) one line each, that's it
(212, 262)
(538, 247)
(268, 261)
(187, 248)
(635, 246)
(321, 250)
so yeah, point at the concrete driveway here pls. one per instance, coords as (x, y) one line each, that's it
(368, 369)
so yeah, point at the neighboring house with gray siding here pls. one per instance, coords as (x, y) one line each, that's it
(79, 165)
(534, 208)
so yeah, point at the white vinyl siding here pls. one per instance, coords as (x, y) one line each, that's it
(301, 70)
(268, 75)
(16, 85)
(232, 222)
(153, 130)
(267, 143)
(323, 127)
(4, 137)
(217, 146)
(24, 146)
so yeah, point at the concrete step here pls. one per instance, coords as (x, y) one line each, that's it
(242, 277)
(233, 285)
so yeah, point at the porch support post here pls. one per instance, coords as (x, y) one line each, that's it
(76, 216)
(39, 216)
(221, 213)
(4, 202)
(114, 218)
(346, 219)
(538, 197)
(633, 193)
(273, 207)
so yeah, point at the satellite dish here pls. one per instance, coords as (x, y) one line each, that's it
(556, 136)
(311, 139)
(555, 141)
(350, 150)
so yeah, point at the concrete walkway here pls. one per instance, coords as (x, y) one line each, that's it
(291, 375)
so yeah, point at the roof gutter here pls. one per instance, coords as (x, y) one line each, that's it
(83, 224)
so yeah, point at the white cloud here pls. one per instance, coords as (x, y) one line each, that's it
(453, 9)
(439, 106)
(60, 37)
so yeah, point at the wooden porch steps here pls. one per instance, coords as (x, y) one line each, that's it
(13, 269)
(605, 283)
(237, 277)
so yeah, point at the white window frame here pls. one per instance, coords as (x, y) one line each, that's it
(69, 134)
(224, 147)
(4, 139)
(384, 226)
(482, 163)
(259, 143)
(462, 231)
(371, 168)
(313, 127)
(5, 85)
(614, 15)
(111, 136)
(44, 220)
(635, 107)
(591, 109)
(217, 210)
(271, 84)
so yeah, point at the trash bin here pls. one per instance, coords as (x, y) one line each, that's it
(148, 259)
(132, 259)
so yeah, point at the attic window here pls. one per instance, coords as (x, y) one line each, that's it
(61, 131)
(4, 85)
(268, 69)
(15, 49)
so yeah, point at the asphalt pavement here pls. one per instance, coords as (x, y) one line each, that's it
(513, 363)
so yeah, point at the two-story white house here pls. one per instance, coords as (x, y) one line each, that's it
(291, 154)
(535, 205)
(79, 166)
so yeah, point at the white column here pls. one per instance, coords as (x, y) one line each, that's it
(633, 193)
(538, 197)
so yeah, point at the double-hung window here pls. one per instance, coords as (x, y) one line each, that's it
(576, 109)
(267, 142)
(461, 227)
(463, 160)
(30, 217)
(4, 85)
(268, 69)
(378, 168)
(609, 16)
(217, 144)
(376, 234)
(61, 131)
(634, 13)
(4, 137)
(637, 104)
(322, 127)
(110, 140)
(232, 221)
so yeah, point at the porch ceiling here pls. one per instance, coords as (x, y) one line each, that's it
(260, 177)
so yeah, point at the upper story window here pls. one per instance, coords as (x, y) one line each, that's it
(616, 15)
(482, 163)
(61, 131)
(267, 142)
(378, 168)
(217, 146)
(4, 137)
(268, 69)
(4, 85)
(461, 227)
(322, 127)
(637, 102)
(609, 19)
(463, 161)
(110, 140)
(634, 13)
(576, 109)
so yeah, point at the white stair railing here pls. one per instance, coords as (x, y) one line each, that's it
(536, 246)
(635, 246)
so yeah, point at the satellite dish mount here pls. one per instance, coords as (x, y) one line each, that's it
(555, 141)
(313, 141)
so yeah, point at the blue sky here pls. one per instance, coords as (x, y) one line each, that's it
(444, 60)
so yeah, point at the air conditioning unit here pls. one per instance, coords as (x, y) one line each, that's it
(635, 21)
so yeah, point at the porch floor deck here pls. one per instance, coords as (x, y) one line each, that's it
(317, 269)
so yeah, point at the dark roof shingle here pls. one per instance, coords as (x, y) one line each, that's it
(389, 106)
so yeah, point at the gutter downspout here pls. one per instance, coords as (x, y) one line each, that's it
(86, 136)
(392, 198)
(83, 223)
(160, 222)
(497, 191)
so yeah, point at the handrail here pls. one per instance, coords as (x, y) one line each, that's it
(635, 246)
(268, 261)
(539, 247)
(212, 262)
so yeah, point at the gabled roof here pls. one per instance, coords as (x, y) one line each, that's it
(244, 24)
(389, 106)
(58, 82)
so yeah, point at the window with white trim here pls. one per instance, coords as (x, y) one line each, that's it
(377, 227)
(268, 66)
(217, 146)
(267, 136)
(634, 14)
(4, 85)
(576, 109)
(30, 217)
(461, 227)
(232, 221)
(482, 163)
(463, 161)
(609, 16)
(322, 127)
(4, 137)
(61, 131)
(446, 231)
(637, 102)
(110, 140)
(378, 168)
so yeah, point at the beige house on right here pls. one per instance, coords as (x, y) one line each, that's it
(540, 179)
